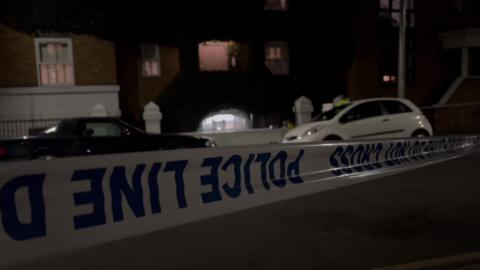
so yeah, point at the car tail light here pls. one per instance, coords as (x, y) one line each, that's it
(3, 151)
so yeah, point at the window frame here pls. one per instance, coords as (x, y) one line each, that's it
(143, 59)
(46, 40)
(285, 57)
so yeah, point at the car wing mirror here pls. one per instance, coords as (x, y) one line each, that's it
(126, 132)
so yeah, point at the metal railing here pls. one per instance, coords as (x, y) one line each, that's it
(17, 128)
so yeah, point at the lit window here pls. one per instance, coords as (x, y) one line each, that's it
(150, 60)
(276, 58)
(223, 56)
(54, 61)
(390, 10)
(389, 78)
(226, 120)
(213, 56)
(280, 5)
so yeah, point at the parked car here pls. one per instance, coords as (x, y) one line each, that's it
(362, 119)
(90, 136)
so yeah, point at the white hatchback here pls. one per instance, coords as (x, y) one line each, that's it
(364, 119)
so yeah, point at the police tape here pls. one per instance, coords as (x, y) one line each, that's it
(52, 206)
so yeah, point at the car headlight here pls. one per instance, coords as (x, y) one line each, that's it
(312, 131)
(210, 143)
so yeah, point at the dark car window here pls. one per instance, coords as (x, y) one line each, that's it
(362, 111)
(394, 107)
(328, 115)
(100, 129)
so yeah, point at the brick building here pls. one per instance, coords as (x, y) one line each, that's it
(49, 77)
(443, 57)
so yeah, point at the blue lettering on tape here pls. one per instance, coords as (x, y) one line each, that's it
(10, 220)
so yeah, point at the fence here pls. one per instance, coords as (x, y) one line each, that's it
(16, 128)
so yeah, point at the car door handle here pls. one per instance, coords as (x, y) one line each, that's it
(386, 120)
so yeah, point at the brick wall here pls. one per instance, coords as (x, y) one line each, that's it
(464, 119)
(363, 74)
(135, 90)
(17, 59)
(94, 61)
(150, 87)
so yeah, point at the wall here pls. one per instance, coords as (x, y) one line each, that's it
(247, 137)
(94, 61)
(460, 119)
(150, 87)
(56, 102)
(363, 74)
(22, 98)
(17, 59)
(136, 90)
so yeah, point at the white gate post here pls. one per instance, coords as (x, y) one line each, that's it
(152, 117)
(98, 111)
(303, 110)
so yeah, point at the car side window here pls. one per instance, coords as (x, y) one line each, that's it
(362, 111)
(394, 107)
(100, 129)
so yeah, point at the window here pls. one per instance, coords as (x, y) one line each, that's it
(389, 11)
(217, 55)
(99, 129)
(54, 61)
(150, 60)
(279, 5)
(330, 114)
(362, 111)
(225, 120)
(394, 107)
(276, 58)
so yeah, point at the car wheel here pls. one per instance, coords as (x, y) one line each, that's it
(420, 134)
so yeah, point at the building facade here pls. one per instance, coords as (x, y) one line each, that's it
(442, 49)
(442, 56)
(50, 77)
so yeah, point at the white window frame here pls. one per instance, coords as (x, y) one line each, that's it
(157, 59)
(67, 41)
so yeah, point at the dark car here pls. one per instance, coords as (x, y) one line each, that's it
(90, 136)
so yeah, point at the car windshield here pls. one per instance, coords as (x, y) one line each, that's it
(328, 115)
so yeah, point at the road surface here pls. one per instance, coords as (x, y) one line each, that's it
(433, 212)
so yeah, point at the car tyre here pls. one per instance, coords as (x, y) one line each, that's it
(420, 134)
(332, 138)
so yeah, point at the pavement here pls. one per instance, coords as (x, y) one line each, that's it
(419, 216)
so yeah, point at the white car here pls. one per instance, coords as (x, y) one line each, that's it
(364, 119)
